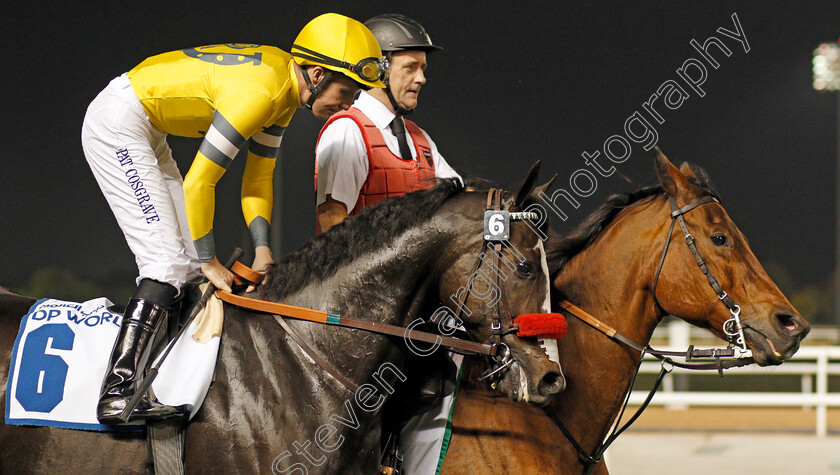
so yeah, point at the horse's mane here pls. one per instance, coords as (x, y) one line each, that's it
(561, 248)
(370, 230)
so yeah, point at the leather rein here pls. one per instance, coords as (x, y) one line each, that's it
(725, 358)
(281, 311)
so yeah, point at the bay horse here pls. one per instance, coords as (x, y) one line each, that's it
(271, 408)
(608, 267)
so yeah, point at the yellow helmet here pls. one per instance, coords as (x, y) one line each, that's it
(344, 45)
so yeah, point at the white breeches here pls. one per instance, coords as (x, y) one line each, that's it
(133, 166)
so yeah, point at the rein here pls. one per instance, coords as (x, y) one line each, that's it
(732, 328)
(665, 356)
(279, 311)
(327, 318)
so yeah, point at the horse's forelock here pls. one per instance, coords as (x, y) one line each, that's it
(701, 179)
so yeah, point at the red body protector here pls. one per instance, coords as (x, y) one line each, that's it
(388, 175)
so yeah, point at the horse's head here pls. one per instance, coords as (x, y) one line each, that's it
(488, 283)
(772, 328)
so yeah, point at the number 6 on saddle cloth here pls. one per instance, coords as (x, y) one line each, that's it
(60, 357)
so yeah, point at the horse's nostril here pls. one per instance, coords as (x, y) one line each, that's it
(787, 322)
(552, 383)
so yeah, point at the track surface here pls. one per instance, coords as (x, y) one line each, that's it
(723, 440)
(641, 453)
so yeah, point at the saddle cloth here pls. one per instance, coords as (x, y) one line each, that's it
(61, 355)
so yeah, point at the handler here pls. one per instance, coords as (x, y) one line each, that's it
(230, 94)
(364, 156)
(359, 148)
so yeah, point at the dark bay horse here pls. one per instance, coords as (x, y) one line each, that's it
(607, 266)
(271, 408)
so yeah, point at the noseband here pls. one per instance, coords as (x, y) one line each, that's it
(732, 327)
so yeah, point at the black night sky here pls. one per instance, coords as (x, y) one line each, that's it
(516, 82)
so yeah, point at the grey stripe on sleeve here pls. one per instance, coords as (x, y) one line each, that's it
(205, 246)
(214, 154)
(228, 131)
(260, 230)
(275, 130)
(267, 142)
(262, 150)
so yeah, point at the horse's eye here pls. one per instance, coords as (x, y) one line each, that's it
(525, 268)
(719, 240)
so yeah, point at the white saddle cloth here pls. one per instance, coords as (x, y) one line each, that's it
(61, 355)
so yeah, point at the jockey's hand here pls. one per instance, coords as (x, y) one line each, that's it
(262, 258)
(217, 274)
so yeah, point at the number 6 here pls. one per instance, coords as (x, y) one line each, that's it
(42, 377)
(497, 224)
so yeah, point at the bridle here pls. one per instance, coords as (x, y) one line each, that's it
(732, 328)
(496, 232)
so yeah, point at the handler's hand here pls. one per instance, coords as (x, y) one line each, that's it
(262, 258)
(217, 274)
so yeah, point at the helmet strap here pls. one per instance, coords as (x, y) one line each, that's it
(397, 108)
(315, 90)
(401, 111)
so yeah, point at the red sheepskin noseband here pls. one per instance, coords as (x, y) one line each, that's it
(543, 325)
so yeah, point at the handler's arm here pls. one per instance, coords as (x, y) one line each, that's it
(330, 213)
(342, 162)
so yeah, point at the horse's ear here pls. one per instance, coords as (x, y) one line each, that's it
(544, 187)
(528, 185)
(671, 178)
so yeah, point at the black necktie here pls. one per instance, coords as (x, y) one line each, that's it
(398, 129)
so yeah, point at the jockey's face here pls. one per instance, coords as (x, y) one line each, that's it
(406, 77)
(337, 95)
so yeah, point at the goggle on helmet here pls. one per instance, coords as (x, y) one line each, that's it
(370, 69)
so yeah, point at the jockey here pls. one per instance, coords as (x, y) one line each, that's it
(230, 94)
(358, 148)
(369, 153)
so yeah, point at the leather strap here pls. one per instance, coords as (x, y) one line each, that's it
(247, 273)
(676, 211)
(691, 353)
(662, 261)
(322, 362)
(299, 313)
(701, 263)
(327, 318)
(601, 326)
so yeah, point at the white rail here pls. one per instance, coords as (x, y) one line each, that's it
(811, 361)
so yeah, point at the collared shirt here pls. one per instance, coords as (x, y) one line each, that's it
(343, 164)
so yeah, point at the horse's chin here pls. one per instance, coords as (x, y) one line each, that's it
(514, 385)
(764, 351)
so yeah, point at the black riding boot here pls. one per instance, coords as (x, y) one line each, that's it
(143, 315)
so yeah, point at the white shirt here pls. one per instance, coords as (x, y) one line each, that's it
(342, 156)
